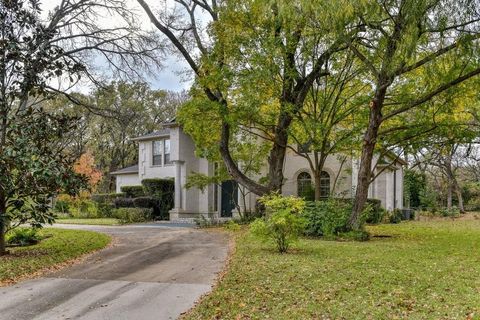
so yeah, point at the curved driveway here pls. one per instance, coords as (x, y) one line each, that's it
(152, 272)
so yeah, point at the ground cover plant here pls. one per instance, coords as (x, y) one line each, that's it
(57, 246)
(410, 270)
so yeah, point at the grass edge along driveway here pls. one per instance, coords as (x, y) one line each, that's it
(93, 221)
(414, 270)
(61, 246)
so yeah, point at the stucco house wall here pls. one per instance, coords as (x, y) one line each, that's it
(130, 179)
(388, 186)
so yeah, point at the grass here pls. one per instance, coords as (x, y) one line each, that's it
(415, 270)
(97, 221)
(59, 246)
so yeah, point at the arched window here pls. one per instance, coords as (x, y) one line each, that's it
(324, 184)
(304, 185)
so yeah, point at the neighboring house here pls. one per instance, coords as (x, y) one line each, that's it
(170, 153)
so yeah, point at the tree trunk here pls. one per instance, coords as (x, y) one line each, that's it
(317, 174)
(365, 170)
(461, 207)
(276, 159)
(458, 193)
(3, 222)
(449, 195)
(232, 167)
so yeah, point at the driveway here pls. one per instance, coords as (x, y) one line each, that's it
(152, 272)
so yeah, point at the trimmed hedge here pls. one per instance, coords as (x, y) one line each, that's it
(123, 203)
(133, 191)
(158, 187)
(132, 215)
(145, 202)
(155, 194)
(163, 191)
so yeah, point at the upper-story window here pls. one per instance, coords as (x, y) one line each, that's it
(161, 152)
(166, 151)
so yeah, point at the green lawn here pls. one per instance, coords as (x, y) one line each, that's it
(99, 221)
(425, 270)
(60, 246)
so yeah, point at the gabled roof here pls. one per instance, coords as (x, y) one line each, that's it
(152, 135)
(127, 170)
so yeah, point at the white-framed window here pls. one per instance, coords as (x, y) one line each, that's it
(304, 184)
(161, 152)
(166, 151)
(324, 184)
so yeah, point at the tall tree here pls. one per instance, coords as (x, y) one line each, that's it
(402, 38)
(265, 52)
(34, 53)
(330, 121)
(125, 110)
(116, 112)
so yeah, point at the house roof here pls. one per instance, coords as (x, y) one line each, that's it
(152, 135)
(127, 170)
(170, 123)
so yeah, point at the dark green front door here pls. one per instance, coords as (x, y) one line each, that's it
(229, 197)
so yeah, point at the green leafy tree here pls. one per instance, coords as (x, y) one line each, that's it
(124, 111)
(254, 63)
(414, 51)
(331, 119)
(110, 117)
(34, 54)
(414, 183)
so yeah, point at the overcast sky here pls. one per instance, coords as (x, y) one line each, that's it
(168, 78)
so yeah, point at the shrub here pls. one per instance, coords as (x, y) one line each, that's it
(232, 226)
(61, 206)
(149, 202)
(158, 187)
(282, 223)
(133, 191)
(105, 210)
(106, 197)
(327, 218)
(395, 216)
(82, 208)
(282, 227)
(163, 191)
(275, 202)
(123, 203)
(132, 215)
(375, 216)
(449, 212)
(376, 212)
(145, 202)
(23, 237)
(63, 203)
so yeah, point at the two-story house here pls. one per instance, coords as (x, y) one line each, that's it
(170, 153)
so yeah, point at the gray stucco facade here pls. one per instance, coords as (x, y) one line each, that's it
(189, 203)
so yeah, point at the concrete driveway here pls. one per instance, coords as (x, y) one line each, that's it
(152, 272)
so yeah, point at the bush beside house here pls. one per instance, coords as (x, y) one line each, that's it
(152, 200)
(286, 218)
(133, 191)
